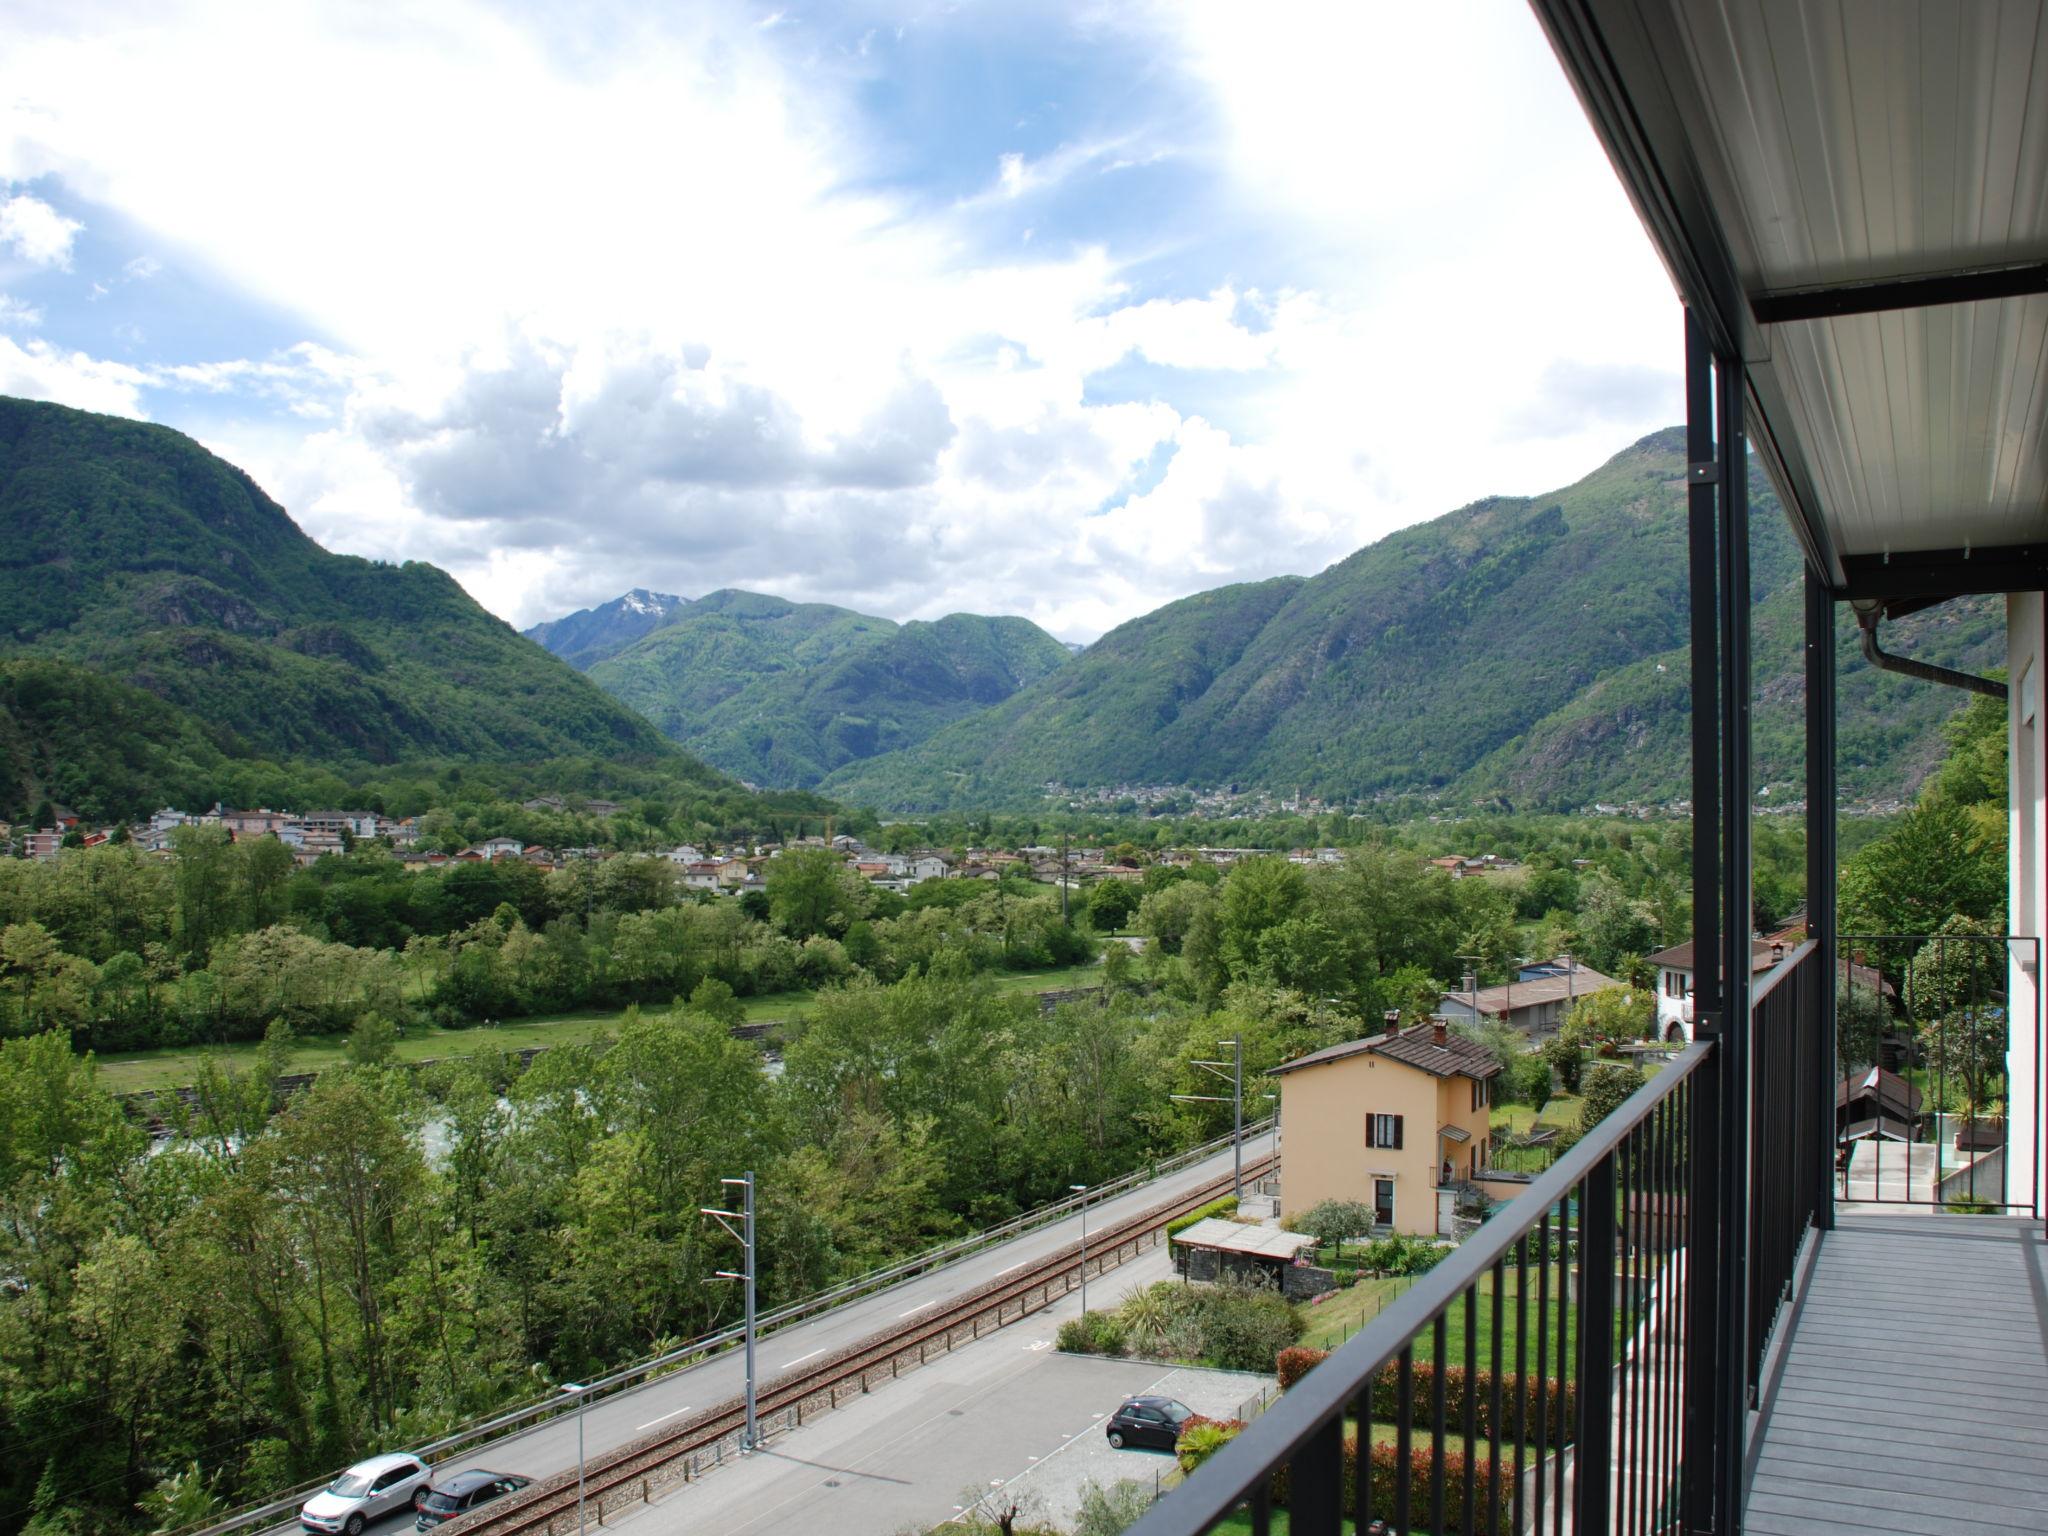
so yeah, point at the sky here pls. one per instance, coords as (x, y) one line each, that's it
(1063, 310)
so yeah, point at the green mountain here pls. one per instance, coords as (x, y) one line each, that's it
(589, 635)
(1526, 647)
(132, 555)
(783, 693)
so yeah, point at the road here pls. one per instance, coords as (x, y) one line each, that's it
(614, 1421)
(1004, 1417)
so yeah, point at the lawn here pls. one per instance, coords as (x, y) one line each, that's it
(1332, 1322)
(1516, 1118)
(176, 1066)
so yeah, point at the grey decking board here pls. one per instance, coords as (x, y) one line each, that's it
(1866, 1518)
(1914, 1394)
(1882, 1512)
(1795, 1429)
(1961, 1388)
(1877, 1474)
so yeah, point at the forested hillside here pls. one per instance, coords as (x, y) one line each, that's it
(1529, 648)
(782, 693)
(133, 556)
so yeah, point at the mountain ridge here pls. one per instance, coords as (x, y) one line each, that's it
(1507, 649)
(781, 692)
(590, 635)
(135, 555)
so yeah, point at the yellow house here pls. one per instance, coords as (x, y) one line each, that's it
(1388, 1121)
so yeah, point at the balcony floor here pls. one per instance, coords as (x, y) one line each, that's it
(1915, 1389)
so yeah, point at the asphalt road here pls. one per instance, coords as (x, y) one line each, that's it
(1006, 1416)
(614, 1421)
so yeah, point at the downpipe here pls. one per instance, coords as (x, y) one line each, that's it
(1868, 616)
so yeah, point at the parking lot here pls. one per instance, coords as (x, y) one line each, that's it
(1007, 1410)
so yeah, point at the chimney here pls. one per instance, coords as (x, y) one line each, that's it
(1438, 1034)
(1393, 1018)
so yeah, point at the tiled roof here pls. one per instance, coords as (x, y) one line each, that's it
(1413, 1047)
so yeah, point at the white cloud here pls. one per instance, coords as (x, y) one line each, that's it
(36, 232)
(39, 371)
(17, 316)
(641, 307)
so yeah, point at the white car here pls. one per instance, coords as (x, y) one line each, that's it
(367, 1491)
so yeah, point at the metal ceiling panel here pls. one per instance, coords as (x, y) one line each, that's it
(1835, 143)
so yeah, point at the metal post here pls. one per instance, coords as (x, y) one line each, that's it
(1236, 1102)
(1820, 869)
(1704, 1361)
(750, 1436)
(1237, 1119)
(1593, 1447)
(1738, 800)
(753, 1423)
(582, 1393)
(1082, 1191)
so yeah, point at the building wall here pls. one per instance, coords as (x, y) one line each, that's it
(1323, 1112)
(2027, 896)
(1671, 1010)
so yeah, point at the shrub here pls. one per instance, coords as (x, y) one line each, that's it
(1245, 1327)
(1969, 1205)
(1401, 1254)
(1202, 1437)
(1556, 1412)
(1291, 1364)
(1092, 1333)
(1385, 1477)
(1227, 1206)
(1113, 1510)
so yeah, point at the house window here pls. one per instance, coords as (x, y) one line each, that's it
(1479, 1093)
(1383, 1131)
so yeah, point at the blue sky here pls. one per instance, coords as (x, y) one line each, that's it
(1063, 310)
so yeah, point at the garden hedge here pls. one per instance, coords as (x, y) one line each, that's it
(1558, 1412)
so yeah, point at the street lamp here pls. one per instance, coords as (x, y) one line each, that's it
(744, 1236)
(1082, 1191)
(1234, 1077)
(581, 1392)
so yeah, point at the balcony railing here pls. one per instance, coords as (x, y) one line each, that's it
(1926, 1067)
(1569, 1367)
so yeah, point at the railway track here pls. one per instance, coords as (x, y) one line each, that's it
(634, 1473)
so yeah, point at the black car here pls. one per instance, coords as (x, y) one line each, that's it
(1153, 1421)
(459, 1491)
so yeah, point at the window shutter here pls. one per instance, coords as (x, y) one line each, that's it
(1372, 1123)
(1397, 1131)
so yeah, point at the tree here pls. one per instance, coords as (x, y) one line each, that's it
(1565, 1057)
(1330, 1222)
(1166, 914)
(1955, 987)
(1612, 925)
(812, 892)
(1111, 904)
(1936, 863)
(372, 1041)
(1613, 1015)
(1607, 1085)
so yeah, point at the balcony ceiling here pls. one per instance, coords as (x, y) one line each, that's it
(1779, 150)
